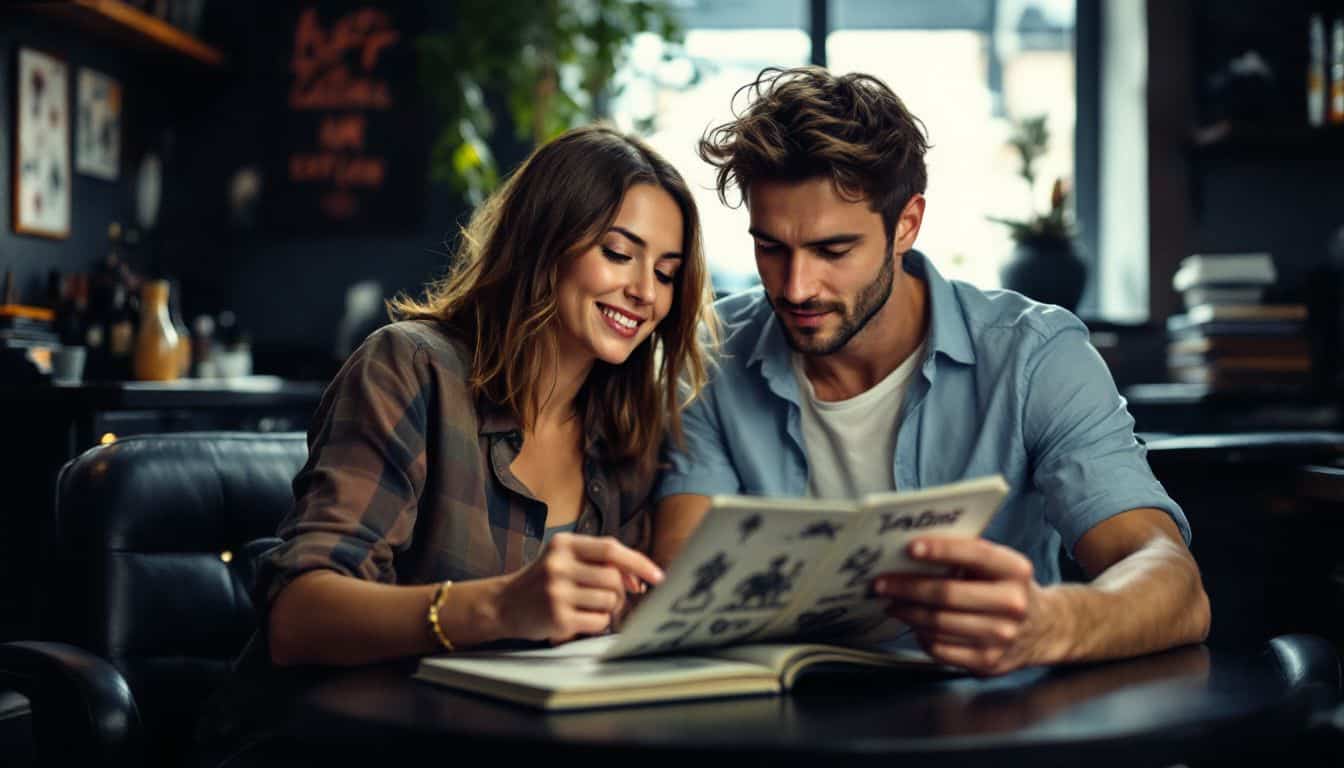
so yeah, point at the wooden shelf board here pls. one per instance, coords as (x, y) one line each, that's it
(118, 19)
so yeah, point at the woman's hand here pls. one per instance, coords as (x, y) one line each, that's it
(575, 588)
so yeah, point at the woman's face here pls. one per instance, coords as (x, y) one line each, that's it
(610, 297)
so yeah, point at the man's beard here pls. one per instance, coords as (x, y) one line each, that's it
(866, 306)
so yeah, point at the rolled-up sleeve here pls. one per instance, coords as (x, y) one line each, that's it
(356, 497)
(700, 464)
(1080, 436)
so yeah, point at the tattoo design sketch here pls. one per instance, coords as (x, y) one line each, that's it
(765, 589)
(702, 593)
(860, 564)
(747, 527)
(824, 528)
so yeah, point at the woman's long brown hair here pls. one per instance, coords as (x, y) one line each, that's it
(500, 297)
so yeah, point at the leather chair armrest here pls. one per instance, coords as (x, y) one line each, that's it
(1309, 660)
(83, 710)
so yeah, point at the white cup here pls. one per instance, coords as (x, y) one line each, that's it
(67, 364)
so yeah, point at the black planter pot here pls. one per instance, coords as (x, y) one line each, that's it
(1047, 270)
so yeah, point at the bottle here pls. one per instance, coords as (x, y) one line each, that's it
(93, 333)
(1316, 79)
(72, 312)
(202, 347)
(179, 325)
(156, 342)
(55, 290)
(111, 312)
(1337, 72)
(232, 354)
(120, 341)
(97, 365)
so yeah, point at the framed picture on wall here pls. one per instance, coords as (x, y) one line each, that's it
(97, 125)
(42, 146)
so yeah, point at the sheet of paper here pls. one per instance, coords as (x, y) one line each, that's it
(739, 570)
(760, 569)
(838, 601)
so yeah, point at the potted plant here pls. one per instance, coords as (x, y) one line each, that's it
(550, 63)
(1044, 264)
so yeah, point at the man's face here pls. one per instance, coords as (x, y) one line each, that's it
(826, 262)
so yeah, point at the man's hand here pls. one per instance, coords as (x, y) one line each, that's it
(987, 615)
(577, 587)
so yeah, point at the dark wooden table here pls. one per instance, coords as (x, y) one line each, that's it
(1183, 706)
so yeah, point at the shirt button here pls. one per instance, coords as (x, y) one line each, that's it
(595, 487)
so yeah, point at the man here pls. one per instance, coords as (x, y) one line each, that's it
(858, 368)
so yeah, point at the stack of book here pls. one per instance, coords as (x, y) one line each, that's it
(26, 326)
(27, 342)
(1228, 338)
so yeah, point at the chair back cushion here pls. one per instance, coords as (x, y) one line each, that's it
(151, 551)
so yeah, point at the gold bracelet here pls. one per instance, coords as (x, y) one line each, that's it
(434, 605)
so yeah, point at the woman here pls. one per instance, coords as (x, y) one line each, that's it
(478, 469)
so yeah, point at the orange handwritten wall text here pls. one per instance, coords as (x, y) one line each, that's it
(333, 68)
(342, 132)
(341, 170)
(338, 82)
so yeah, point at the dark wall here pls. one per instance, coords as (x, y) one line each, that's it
(1269, 184)
(287, 290)
(1273, 184)
(95, 203)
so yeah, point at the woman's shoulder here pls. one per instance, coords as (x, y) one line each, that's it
(406, 339)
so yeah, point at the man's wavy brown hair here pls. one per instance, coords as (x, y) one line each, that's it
(500, 295)
(805, 123)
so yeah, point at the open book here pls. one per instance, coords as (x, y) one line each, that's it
(763, 589)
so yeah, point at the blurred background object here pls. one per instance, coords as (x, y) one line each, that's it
(364, 313)
(274, 157)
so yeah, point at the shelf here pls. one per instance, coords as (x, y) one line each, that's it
(127, 24)
(1229, 139)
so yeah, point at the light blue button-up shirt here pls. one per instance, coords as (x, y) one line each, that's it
(1007, 386)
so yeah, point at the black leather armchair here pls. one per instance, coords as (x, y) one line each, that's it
(145, 590)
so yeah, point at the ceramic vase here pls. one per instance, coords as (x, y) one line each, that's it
(157, 355)
(1047, 270)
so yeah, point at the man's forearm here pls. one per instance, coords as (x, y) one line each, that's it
(1151, 600)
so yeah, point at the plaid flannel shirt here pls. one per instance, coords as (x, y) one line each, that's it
(408, 480)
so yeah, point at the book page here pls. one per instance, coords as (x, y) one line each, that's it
(837, 604)
(739, 570)
(577, 667)
(781, 657)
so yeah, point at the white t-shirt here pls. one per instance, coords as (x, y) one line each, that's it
(851, 444)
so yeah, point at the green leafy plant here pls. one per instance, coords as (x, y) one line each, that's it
(551, 61)
(1030, 138)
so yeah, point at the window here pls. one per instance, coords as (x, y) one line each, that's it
(967, 68)
(671, 97)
